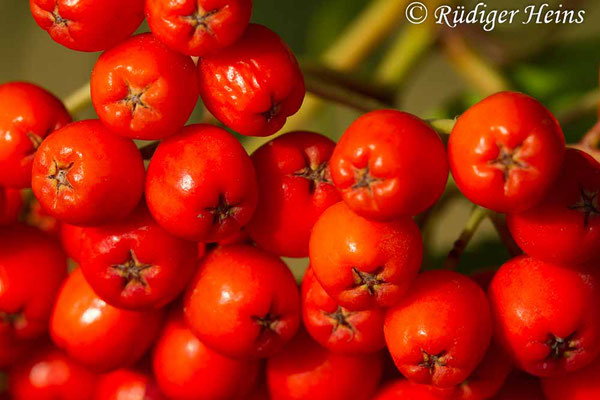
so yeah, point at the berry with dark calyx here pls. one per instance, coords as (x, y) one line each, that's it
(135, 264)
(198, 27)
(295, 188)
(389, 164)
(364, 264)
(201, 184)
(84, 174)
(505, 152)
(439, 332)
(141, 89)
(336, 328)
(88, 25)
(565, 227)
(253, 85)
(545, 315)
(243, 302)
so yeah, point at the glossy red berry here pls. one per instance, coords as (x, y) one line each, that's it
(50, 374)
(83, 174)
(253, 85)
(336, 328)
(143, 90)
(582, 384)
(441, 330)
(97, 334)
(364, 264)
(11, 202)
(135, 264)
(127, 384)
(545, 315)
(32, 269)
(185, 368)
(70, 237)
(198, 27)
(506, 151)
(565, 226)
(389, 164)
(304, 370)
(88, 25)
(29, 114)
(243, 302)
(405, 389)
(295, 188)
(201, 184)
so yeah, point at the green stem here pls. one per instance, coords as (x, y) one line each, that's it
(478, 214)
(442, 126)
(499, 222)
(78, 100)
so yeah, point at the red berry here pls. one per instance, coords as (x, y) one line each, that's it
(135, 264)
(305, 370)
(336, 328)
(488, 377)
(127, 384)
(405, 389)
(389, 164)
(253, 85)
(441, 330)
(88, 25)
(520, 386)
(364, 264)
(201, 184)
(198, 27)
(294, 189)
(96, 333)
(143, 90)
(83, 174)
(243, 302)
(185, 368)
(70, 237)
(565, 226)
(49, 374)
(11, 202)
(546, 315)
(32, 268)
(506, 151)
(29, 114)
(582, 384)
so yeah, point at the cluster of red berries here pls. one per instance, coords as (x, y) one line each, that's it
(179, 259)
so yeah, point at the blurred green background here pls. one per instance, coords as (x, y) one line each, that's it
(427, 69)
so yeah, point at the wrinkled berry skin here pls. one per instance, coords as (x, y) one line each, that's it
(253, 85)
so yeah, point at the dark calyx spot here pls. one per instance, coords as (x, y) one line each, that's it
(587, 204)
(316, 174)
(131, 270)
(267, 323)
(58, 19)
(199, 19)
(560, 347)
(363, 179)
(508, 159)
(11, 318)
(340, 320)
(133, 100)
(431, 361)
(273, 110)
(222, 211)
(59, 173)
(369, 281)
